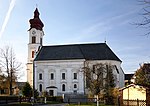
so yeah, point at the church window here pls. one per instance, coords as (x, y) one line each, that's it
(63, 87)
(40, 76)
(75, 85)
(33, 39)
(40, 87)
(32, 54)
(52, 76)
(75, 91)
(74, 75)
(63, 75)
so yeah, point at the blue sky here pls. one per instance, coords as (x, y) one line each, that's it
(78, 21)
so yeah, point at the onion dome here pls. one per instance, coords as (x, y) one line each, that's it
(36, 22)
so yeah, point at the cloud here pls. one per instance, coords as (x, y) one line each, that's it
(104, 25)
(11, 6)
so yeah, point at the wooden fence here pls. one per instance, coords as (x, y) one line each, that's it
(134, 103)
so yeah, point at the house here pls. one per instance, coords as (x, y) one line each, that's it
(145, 73)
(133, 93)
(5, 85)
(57, 69)
(128, 78)
(18, 88)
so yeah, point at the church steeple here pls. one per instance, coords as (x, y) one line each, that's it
(36, 34)
(36, 22)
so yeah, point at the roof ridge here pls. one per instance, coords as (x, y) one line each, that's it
(74, 44)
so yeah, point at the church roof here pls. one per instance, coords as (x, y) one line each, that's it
(128, 76)
(94, 51)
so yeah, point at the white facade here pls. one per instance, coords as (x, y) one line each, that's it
(65, 75)
(45, 69)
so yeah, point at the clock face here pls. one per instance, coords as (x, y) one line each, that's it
(33, 32)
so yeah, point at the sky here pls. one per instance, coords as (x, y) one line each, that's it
(77, 21)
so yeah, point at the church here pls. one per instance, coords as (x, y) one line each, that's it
(58, 69)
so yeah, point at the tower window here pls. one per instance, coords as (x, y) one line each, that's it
(32, 54)
(40, 87)
(52, 76)
(33, 39)
(63, 87)
(63, 75)
(74, 75)
(41, 41)
(40, 76)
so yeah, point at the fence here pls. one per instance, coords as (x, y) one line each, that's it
(134, 102)
(19, 99)
(82, 100)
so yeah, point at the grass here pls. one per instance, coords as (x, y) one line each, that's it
(52, 102)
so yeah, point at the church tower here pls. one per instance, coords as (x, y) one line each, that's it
(35, 42)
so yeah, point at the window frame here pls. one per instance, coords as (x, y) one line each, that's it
(40, 76)
(63, 87)
(33, 39)
(75, 76)
(52, 76)
(63, 76)
(40, 87)
(33, 54)
(75, 86)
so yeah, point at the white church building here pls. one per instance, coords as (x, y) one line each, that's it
(58, 69)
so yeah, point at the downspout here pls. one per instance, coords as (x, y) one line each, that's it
(84, 77)
(33, 79)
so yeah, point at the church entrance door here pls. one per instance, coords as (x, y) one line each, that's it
(51, 92)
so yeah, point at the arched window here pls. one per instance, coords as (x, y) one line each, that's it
(40, 87)
(75, 85)
(32, 54)
(74, 75)
(63, 76)
(40, 76)
(63, 87)
(33, 39)
(52, 76)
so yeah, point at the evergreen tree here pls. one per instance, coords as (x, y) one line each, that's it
(142, 75)
(109, 85)
(27, 90)
(36, 93)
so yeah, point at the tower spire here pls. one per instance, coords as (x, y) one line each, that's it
(36, 5)
(36, 22)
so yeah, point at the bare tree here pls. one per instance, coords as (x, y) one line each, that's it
(98, 77)
(145, 22)
(9, 65)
